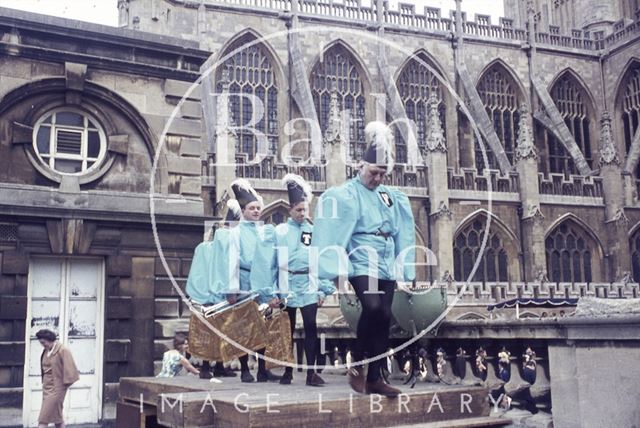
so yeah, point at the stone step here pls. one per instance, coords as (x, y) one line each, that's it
(187, 401)
(484, 421)
(167, 328)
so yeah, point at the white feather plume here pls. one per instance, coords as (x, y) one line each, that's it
(244, 184)
(378, 134)
(234, 207)
(306, 188)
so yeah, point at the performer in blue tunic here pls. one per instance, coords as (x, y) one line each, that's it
(372, 227)
(201, 284)
(282, 265)
(243, 240)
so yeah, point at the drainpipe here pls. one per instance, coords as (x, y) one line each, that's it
(521, 258)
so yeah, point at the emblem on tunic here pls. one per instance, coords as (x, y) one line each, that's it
(386, 199)
(305, 238)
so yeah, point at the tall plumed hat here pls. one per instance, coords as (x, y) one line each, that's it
(297, 188)
(233, 211)
(244, 192)
(379, 149)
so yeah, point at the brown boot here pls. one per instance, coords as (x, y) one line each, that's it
(379, 387)
(356, 379)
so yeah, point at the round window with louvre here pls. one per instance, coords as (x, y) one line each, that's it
(69, 142)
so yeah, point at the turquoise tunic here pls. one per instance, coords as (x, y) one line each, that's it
(281, 266)
(201, 274)
(217, 270)
(209, 273)
(352, 216)
(234, 250)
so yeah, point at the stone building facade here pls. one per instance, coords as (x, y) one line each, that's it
(77, 251)
(93, 117)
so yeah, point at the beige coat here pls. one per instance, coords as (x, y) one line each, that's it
(58, 373)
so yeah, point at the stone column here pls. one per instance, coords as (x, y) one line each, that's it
(225, 144)
(532, 229)
(616, 222)
(335, 144)
(440, 215)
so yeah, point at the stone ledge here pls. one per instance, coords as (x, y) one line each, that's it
(19, 198)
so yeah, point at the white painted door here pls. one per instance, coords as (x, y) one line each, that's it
(66, 296)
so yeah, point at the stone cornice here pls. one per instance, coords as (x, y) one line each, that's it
(121, 49)
(39, 201)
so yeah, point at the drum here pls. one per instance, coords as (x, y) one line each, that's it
(203, 341)
(279, 343)
(240, 322)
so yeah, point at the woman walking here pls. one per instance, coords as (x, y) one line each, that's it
(59, 372)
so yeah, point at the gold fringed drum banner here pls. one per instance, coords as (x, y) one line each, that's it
(279, 346)
(243, 324)
(203, 341)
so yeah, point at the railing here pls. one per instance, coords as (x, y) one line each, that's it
(431, 19)
(469, 179)
(484, 28)
(267, 168)
(264, 4)
(493, 292)
(574, 185)
(622, 32)
(402, 176)
(407, 176)
(576, 40)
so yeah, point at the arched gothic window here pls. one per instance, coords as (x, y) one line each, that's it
(630, 104)
(415, 84)
(251, 74)
(572, 102)
(494, 265)
(499, 95)
(569, 254)
(276, 215)
(338, 69)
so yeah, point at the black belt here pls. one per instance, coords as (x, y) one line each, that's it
(376, 233)
(245, 269)
(298, 272)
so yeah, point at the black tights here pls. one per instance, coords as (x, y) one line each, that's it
(373, 327)
(309, 313)
(244, 362)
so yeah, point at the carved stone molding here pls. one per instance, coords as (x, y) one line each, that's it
(608, 152)
(525, 147)
(435, 139)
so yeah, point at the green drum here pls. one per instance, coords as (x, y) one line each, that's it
(412, 311)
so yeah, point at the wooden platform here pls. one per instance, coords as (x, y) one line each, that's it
(187, 401)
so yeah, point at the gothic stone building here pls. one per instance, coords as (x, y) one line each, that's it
(101, 127)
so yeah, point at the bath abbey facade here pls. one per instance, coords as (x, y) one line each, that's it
(516, 139)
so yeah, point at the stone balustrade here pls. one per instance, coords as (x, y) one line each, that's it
(469, 179)
(493, 292)
(268, 168)
(574, 185)
(430, 19)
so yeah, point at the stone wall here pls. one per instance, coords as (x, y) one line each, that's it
(131, 84)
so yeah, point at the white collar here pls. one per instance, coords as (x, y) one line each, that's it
(53, 348)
